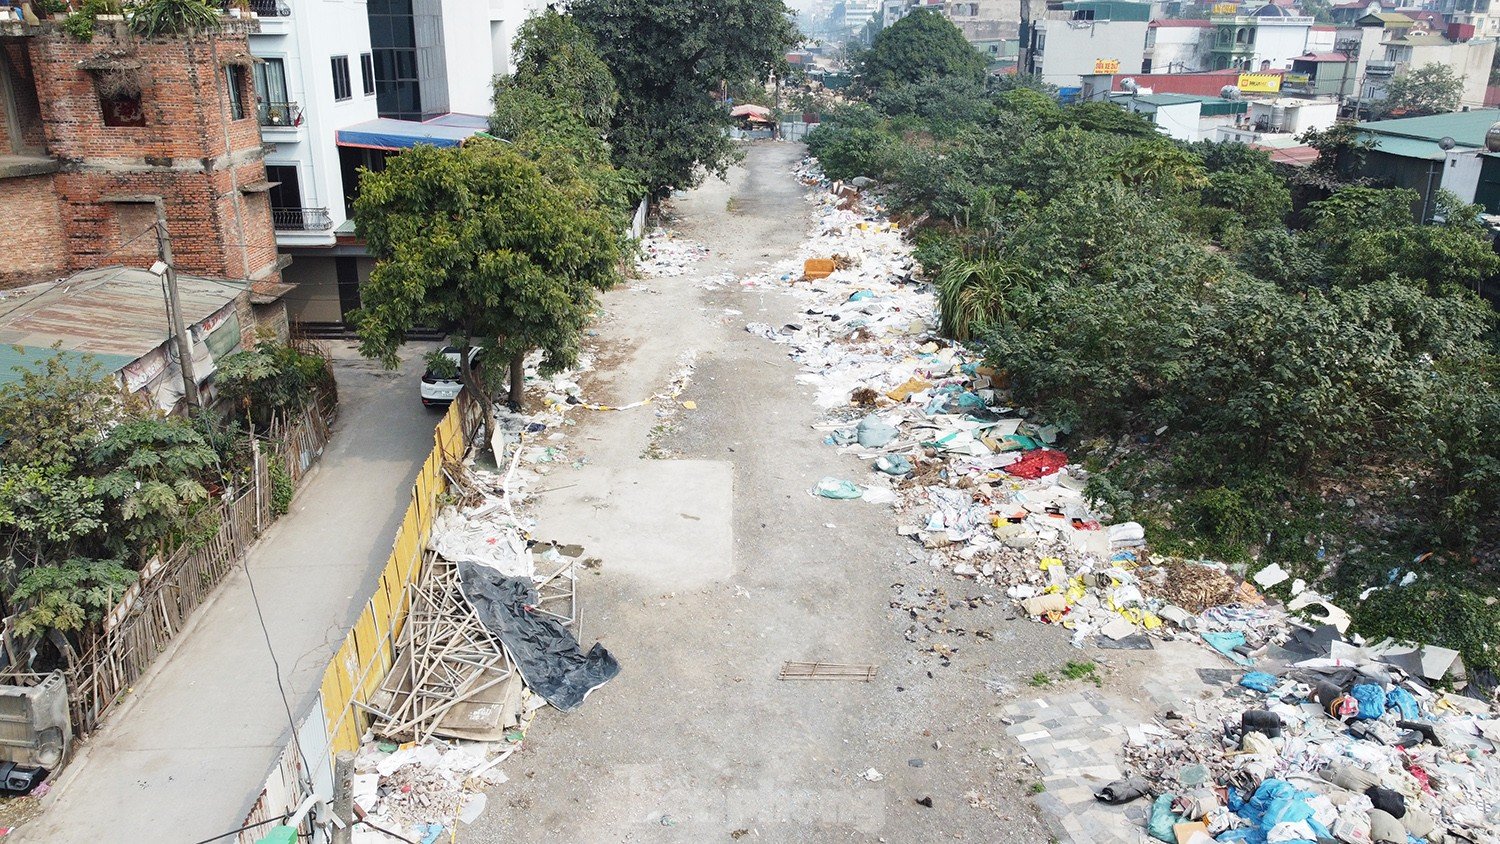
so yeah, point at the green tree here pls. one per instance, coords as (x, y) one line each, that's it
(151, 471)
(667, 56)
(484, 244)
(559, 104)
(91, 483)
(556, 64)
(922, 46)
(1429, 89)
(1341, 153)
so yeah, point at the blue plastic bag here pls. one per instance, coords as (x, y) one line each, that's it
(1225, 643)
(1162, 819)
(1404, 702)
(1259, 681)
(1371, 701)
(1274, 802)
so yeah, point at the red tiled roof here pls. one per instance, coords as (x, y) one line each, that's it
(1295, 156)
(1199, 84)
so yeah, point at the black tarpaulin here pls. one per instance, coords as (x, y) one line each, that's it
(546, 654)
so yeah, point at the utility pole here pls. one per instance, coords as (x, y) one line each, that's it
(184, 343)
(1023, 54)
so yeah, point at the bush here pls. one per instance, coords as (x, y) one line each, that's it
(849, 152)
(282, 487)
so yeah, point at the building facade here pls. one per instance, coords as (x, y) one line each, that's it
(1098, 36)
(343, 86)
(97, 133)
(1266, 39)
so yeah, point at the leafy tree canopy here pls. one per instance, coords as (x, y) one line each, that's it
(922, 46)
(1429, 89)
(667, 57)
(484, 244)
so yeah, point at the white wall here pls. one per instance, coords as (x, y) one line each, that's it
(478, 37)
(1312, 115)
(1179, 48)
(1072, 47)
(1279, 44)
(1180, 121)
(318, 30)
(1461, 173)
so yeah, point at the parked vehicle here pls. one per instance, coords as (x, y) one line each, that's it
(440, 388)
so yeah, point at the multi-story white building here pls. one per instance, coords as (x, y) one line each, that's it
(1097, 37)
(343, 84)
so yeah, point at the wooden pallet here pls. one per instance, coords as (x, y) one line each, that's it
(863, 672)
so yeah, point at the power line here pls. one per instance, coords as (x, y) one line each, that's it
(276, 664)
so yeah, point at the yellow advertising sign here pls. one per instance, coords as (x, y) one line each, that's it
(1106, 65)
(1225, 8)
(1260, 83)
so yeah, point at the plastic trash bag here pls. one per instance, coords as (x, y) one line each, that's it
(1404, 702)
(836, 488)
(1371, 700)
(1163, 819)
(1259, 681)
(1122, 791)
(1225, 643)
(873, 433)
(894, 464)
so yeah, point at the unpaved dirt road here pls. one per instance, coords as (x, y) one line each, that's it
(718, 566)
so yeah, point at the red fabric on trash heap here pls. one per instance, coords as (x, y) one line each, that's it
(1037, 464)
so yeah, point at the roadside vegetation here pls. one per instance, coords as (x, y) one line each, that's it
(1259, 364)
(96, 483)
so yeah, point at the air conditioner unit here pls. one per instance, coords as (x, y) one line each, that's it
(34, 725)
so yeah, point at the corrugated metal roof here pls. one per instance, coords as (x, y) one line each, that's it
(115, 311)
(1467, 128)
(1167, 99)
(1408, 148)
(13, 358)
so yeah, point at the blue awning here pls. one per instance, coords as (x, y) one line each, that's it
(459, 119)
(388, 134)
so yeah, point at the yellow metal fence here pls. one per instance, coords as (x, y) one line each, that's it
(360, 664)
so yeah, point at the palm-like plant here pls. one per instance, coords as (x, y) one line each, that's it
(973, 292)
(172, 17)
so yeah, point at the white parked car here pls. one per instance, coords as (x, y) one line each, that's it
(439, 390)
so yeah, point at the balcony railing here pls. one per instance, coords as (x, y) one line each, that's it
(279, 114)
(263, 8)
(301, 219)
(1382, 69)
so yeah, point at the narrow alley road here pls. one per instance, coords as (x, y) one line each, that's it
(718, 566)
(182, 758)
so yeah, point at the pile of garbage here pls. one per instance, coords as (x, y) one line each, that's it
(486, 644)
(1350, 748)
(979, 485)
(665, 254)
(988, 494)
(416, 792)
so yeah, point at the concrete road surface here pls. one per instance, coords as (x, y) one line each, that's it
(717, 566)
(183, 757)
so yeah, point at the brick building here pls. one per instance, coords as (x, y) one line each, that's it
(93, 131)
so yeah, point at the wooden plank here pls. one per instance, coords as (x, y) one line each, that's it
(863, 672)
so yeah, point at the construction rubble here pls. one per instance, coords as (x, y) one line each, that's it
(1328, 738)
(489, 638)
(488, 641)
